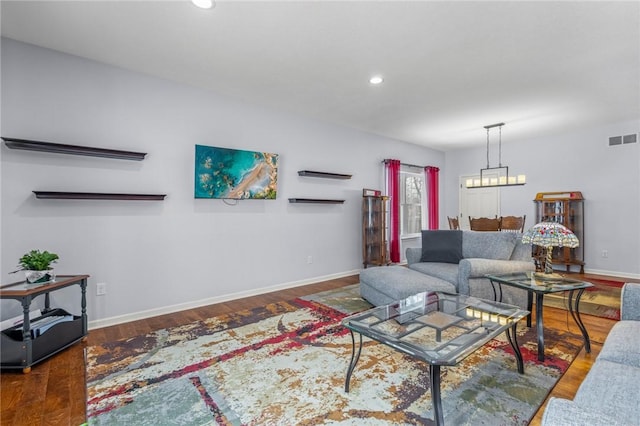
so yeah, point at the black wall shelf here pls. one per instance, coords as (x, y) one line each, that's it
(58, 148)
(54, 195)
(315, 201)
(311, 173)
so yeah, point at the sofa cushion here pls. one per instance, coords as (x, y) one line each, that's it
(488, 245)
(609, 389)
(521, 251)
(443, 271)
(623, 344)
(441, 246)
(567, 413)
(385, 284)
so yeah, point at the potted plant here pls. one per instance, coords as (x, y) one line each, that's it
(37, 266)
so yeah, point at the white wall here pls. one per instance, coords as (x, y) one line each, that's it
(181, 251)
(608, 177)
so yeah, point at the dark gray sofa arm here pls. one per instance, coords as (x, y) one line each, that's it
(630, 302)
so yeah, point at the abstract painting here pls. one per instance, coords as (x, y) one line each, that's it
(235, 174)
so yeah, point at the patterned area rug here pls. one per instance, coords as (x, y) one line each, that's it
(602, 300)
(285, 364)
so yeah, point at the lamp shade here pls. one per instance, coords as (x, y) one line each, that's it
(550, 234)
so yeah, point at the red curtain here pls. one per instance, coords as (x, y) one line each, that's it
(431, 176)
(393, 187)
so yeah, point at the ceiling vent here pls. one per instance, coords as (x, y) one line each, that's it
(632, 138)
(619, 140)
(615, 140)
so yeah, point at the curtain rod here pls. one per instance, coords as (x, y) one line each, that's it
(407, 164)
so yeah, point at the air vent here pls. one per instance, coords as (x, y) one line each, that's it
(619, 140)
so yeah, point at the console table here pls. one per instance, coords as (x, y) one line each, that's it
(18, 347)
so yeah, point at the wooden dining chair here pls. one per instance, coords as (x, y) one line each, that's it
(512, 223)
(484, 224)
(454, 223)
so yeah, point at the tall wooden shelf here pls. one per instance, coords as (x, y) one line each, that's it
(374, 232)
(566, 208)
(59, 148)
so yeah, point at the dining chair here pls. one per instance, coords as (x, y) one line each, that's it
(512, 223)
(484, 224)
(454, 223)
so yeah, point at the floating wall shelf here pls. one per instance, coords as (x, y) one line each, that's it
(310, 173)
(58, 148)
(51, 195)
(315, 201)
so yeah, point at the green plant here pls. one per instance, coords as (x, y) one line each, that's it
(37, 260)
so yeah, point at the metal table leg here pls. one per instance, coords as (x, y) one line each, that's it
(539, 326)
(529, 305)
(354, 359)
(575, 313)
(436, 399)
(513, 341)
(495, 294)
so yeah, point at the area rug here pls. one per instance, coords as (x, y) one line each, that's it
(285, 364)
(601, 300)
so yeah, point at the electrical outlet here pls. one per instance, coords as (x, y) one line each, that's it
(605, 253)
(309, 260)
(101, 289)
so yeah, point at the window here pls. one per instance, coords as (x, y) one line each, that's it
(411, 202)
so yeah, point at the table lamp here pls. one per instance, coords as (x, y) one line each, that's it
(550, 235)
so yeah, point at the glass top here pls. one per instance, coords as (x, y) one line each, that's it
(540, 282)
(439, 328)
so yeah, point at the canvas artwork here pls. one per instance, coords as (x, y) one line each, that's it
(235, 174)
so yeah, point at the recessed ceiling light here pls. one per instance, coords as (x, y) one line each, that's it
(203, 4)
(376, 79)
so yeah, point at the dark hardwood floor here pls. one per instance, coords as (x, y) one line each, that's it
(54, 392)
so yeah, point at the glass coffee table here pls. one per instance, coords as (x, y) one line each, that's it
(438, 328)
(540, 284)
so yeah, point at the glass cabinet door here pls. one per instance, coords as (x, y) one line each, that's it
(374, 242)
(565, 208)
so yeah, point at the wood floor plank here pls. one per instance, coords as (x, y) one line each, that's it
(54, 393)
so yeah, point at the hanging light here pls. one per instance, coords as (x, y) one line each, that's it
(503, 179)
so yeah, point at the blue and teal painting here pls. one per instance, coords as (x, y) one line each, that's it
(235, 174)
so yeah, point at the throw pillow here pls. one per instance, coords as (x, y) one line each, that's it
(441, 246)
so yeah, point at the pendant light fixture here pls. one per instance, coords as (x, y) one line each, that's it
(503, 178)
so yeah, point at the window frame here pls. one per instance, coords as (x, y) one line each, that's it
(419, 175)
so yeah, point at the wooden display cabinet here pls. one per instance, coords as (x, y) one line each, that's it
(566, 208)
(374, 231)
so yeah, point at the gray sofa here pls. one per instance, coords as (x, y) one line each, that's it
(610, 394)
(482, 253)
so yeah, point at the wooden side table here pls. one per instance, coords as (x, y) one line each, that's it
(19, 347)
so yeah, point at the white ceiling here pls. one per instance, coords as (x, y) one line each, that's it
(449, 67)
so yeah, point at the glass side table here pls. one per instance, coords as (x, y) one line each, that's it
(540, 284)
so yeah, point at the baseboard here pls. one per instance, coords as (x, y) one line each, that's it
(612, 273)
(106, 322)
